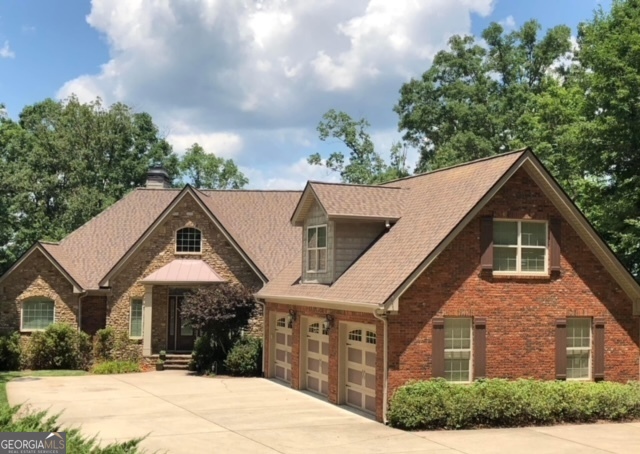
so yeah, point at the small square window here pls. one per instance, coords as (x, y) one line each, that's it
(189, 241)
(520, 247)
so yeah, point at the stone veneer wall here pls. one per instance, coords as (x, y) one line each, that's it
(37, 277)
(159, 250)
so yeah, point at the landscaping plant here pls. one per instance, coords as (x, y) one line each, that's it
(10, 351)
(438, 404)
(116, 367)
(59, 346)
(244, 358)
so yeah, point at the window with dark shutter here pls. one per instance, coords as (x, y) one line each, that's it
(561, 349)
(437, 348)
(479, 347)
(598, 348)
(486, 243)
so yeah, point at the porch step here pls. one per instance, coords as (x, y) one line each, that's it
(174, 361)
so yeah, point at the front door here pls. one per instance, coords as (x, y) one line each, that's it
(181, 334)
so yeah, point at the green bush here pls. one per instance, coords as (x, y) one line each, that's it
(244, 359)
(207, 353)
(116, 367)
(109, 345)
(58, 347)
(13, 420)
(437, 404)
(10, 351)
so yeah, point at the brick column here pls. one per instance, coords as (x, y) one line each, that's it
(147, 320)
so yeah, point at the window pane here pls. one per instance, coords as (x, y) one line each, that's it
(322, 237)
(37, 314)
(457, 366)
(188, 240)
(311, 237)
(311, 259)
(135, 329)
(457, 333)
(578, 364)
(534, 234)
(579, 333)
(322, 259)
(533, 259)
(505, 233)
(505, 258)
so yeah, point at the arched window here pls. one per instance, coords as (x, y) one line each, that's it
(188, 240)
(37, 314)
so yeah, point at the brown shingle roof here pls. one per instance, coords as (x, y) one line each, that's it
(359, 201)
(435, 203)
(250, 217)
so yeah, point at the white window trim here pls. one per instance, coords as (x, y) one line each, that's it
(175, 236)
(141, 318)
(470, 349)
(307, 249)
(590, 349)
(32, 330)
(519, 247)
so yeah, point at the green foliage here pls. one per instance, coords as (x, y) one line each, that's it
(58, 347)
(14, 420)
(365, 165)
(116, 367)
(245, 357)
(207, 171)
(206, 353)
(437, 404)
(220, 312)
(64, 162)
(10, 351)
(109, 345)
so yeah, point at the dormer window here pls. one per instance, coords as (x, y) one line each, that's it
(317, 249)
(188, 241)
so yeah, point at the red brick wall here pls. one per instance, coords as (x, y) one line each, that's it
(520, 313)
(93, 314)
(334, 346)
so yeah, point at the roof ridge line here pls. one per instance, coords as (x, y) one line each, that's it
(248, 190)
(356, 185)
(462, 164)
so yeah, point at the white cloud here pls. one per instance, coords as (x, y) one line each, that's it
(222, 144)
(6, 52)
(293, 176)
(241, 72)
(508, 23)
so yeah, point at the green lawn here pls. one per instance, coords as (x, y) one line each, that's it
(5, 377)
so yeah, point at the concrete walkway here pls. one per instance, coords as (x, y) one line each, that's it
(185, 414)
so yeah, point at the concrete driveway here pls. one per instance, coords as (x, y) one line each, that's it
(186, 414)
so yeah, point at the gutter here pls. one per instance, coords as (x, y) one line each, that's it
(385, 373)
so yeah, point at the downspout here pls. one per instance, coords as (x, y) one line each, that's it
(80, 297)
(264, 331)
(385, 373)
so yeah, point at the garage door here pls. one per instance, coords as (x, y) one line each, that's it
(317, 357)
(283, 341)
(361, 367)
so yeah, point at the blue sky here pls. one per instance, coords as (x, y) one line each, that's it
(248, 82)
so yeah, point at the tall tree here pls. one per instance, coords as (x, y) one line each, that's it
(66, 161)
(467, 105)
(364, 165)
(609, 54)
(206, 170)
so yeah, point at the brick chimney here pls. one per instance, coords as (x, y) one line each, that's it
(158, 178)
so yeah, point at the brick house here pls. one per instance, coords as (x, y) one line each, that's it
(129, 267)
(485, 269)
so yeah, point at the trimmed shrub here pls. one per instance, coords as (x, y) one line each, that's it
(14, 420)
(109, 345)
(206, 353)
(437, 404)
(244, 359)
(58, 347)
(10, 351)
(116, 367)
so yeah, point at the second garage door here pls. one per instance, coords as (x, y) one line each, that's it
(317, 356)
(360, 367)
